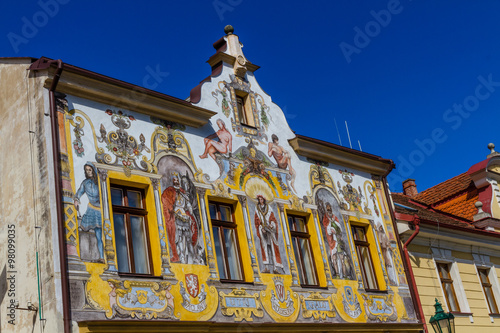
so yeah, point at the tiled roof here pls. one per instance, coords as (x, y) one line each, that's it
(445, 190)
(462, 205)
(426, 213)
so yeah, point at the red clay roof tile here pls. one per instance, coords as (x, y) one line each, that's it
(427, 213)
(445, 190)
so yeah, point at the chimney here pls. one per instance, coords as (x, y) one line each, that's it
(410, 188)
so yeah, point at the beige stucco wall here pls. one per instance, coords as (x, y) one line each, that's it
(25, 202)
(429, 287)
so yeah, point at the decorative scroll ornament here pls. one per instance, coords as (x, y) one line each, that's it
(78, 123)
(296, 203)
(318, 174)
(380, 307)
(194, 299)
(350, 194)
(317, 306)
(372, 195)
(352, 307)
(223, 91)
(240, 304)
(140, 299)
(264, 111)
(123, 146)
(170, 141)
(220, 189)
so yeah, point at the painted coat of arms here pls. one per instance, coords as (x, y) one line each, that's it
(194, 297)
(283, 306)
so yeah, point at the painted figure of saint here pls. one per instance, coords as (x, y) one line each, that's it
(181, 225)
(91, 219)
(333, 233)
(223, 145)
(282, 157)
(267, 231)
(385, 245)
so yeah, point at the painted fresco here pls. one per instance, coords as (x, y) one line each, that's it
(253, 169)
(181, 212)
(266, 226)
(334, 235)
(90, 221)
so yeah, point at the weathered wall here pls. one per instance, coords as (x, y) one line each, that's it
(25, 204)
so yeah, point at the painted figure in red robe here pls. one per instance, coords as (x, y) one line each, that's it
(182, 230)
(267, 230)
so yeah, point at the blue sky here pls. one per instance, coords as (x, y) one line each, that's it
(417, 81)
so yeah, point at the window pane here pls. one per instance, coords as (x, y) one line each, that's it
(359, 234)
(298, 260)
(121, 243)
(232, 254)
(213, 212)
(366, 262)
(139, 244)
(300, 224)
(290, 223)
(134, 199)
(309, 272)
(443, 270)
(116, 196)
(483, 274)
(491, 299)
(225, 213)
(450, 295)
(218, 253)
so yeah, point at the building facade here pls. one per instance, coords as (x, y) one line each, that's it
(202, 214)
(451, 233)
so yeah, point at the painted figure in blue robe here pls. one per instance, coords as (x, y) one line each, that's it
(91, 219)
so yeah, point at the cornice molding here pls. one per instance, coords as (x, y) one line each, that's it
(342, 156)
(96, 87)
(229, 59)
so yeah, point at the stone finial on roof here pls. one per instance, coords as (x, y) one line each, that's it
(228, 29)
(235, 49)
(491, 147)
(481, 214)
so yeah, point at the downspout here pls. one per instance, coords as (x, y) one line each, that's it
(416, 223)
(59, 207)
(406, 262)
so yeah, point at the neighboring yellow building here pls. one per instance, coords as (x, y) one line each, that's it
(206, 214)
(455, 254)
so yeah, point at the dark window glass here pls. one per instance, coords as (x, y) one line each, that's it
(226, 242)
(447, 283)
(302, 249)
(364, 257)
(131, 233)
(487, 288)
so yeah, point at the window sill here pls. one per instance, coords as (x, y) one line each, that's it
(495, 315)
(461, 314)
(376, 291)
(249, 126)
(236, 282)
(140, 276)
